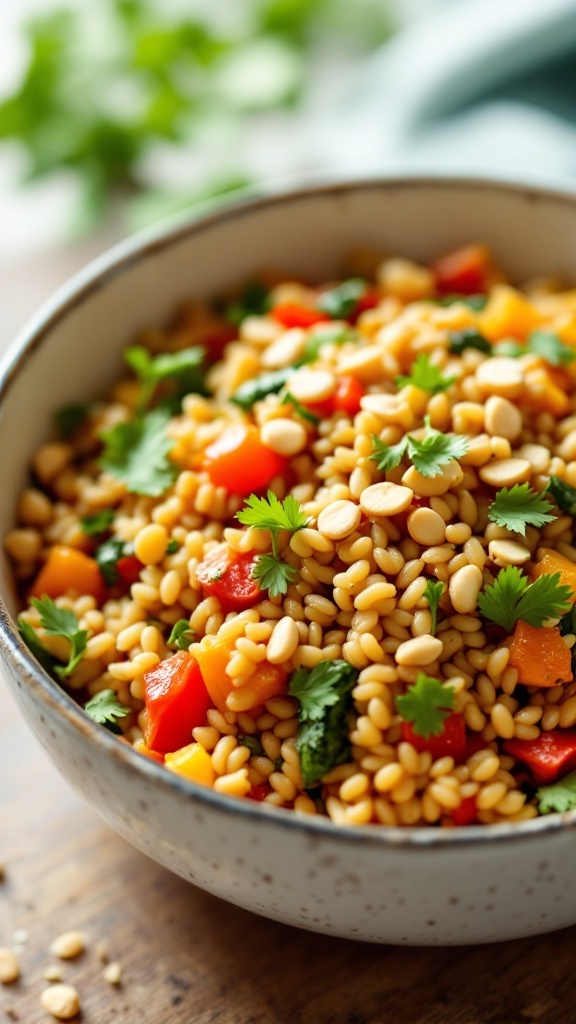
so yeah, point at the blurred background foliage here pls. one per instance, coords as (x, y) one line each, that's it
(122, 96)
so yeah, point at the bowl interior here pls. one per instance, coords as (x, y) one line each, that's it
(72, 350)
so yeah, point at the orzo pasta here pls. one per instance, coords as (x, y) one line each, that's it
(316, 549)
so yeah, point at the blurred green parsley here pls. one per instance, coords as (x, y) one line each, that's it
(107, 83)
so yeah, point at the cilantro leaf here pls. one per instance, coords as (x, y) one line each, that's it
(270, 513)
(273, 574)
(476, 302)
(107, 555)
(32, 641)
(520, 506)
(300, 409)
(253, 743)
(469, 337)
(150, 370)
(550, 347)
(426, 376)
(512, 597)
(435, 450)
(62, 622)
(137, 454)
(509, 347)
(325, 696)
(425, 705)
(70, 417)
(182, 635)
(433, 592)
(105, 708)
(255, 390)
(341, 302)
(388, 456)
(254, 300)
(560, 796)
(325, 334)
(172, 546)
(101, 521)
(564, 495)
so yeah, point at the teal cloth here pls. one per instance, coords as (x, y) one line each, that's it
(475, 86)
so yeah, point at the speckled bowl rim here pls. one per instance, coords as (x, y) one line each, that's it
(92, 278)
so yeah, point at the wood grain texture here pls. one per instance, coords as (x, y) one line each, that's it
(188, 958)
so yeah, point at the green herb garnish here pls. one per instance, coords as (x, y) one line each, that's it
(101, 521)
(274, 515)
(105, 709)
(519, 506)
(324, 695)
(136, 453)
(264, 384)
(61, 622)
(426, 704)
(301, 410)
(433, 592)
(341, 302)
(183, 367)
(469, 337)
(428, 455)
(182, 635)
(560, 796)
(426, 376)
(512, 597)
(70, 417)
(564, 495)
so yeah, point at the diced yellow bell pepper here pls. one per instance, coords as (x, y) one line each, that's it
(193, 762)
(507, 314)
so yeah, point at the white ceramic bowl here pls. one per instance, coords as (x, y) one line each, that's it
(375, 883)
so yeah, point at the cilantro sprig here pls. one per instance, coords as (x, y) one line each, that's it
(299, 409)
(324, 696)
(182, 635)
(564, 495)
(98, 523)
(433, 592)
(105, 709)
(515, 508)
(560, 796)
(183, 368)
(341, 302)
(425, 375)
(469, 337)
(512, 597)
(428, 455)
(546, 344)
(56, 622)
(136, 453)
(274, 515)
(426, 704)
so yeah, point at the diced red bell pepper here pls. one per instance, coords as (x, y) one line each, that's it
(466, 813)
(294, 314)
(463, 272)
(176, 700)
(549, 757)
(239, 461)
(450, 743)
(227, 576)
(474, 743)
(128, 568)
(346, 398)
(216, 340)
(259, 792)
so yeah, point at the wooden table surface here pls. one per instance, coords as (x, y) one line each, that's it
(187, 957)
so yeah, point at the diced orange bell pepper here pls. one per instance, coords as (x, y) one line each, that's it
(540, 655)
(193, 762)
(213, 656)
(551, 562)
(141, 747)
(507, 314)
(69, 571)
